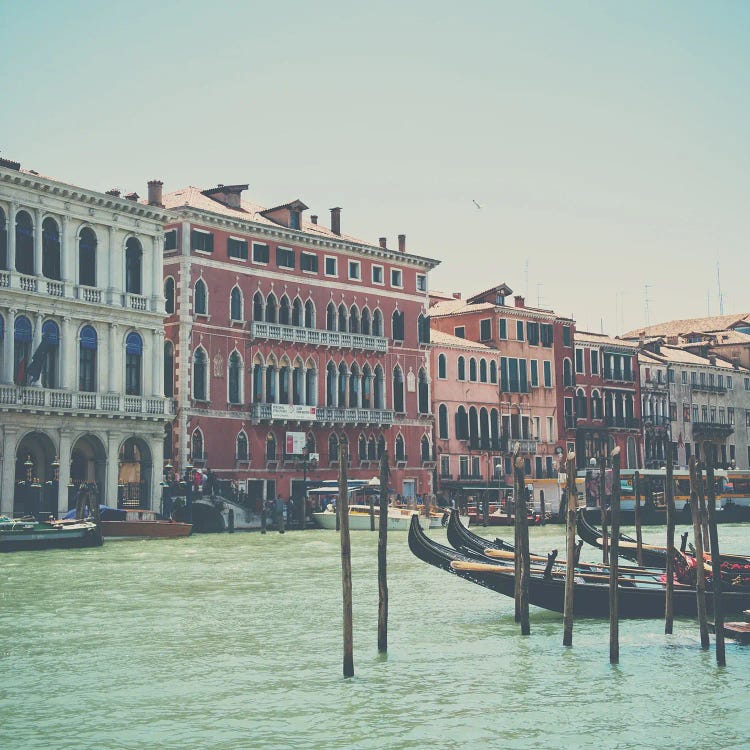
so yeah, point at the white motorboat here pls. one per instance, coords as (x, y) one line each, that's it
(359, 518)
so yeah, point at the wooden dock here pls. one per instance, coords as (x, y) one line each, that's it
(737, 631)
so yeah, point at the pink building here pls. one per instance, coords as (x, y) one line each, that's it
(278, 325)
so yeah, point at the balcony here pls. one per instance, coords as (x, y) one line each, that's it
(317, 337)
(705, 388)
(525, 445)
(80, 403)
(716, 429)
(656, 421)
(619, 376)
(312, 414)
(625, 423)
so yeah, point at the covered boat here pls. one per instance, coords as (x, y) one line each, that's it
(28, 534)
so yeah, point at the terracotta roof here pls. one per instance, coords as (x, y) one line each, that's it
(456, 342)
(456, 306)
(586, 337)
(675, 355)
(689, 325)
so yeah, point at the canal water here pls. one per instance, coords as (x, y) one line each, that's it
(226, 642)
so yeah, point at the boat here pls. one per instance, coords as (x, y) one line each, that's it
(142, 524)
(359, 518)
(30, 534)
(637, 599)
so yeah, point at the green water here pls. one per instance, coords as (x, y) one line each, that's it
(234, 641)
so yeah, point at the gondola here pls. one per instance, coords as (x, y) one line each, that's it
(466, 541)
(636, 600)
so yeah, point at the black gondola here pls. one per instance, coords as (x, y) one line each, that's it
(636, 600)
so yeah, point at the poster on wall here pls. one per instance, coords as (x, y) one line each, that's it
(295, 443)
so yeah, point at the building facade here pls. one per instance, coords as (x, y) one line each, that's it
(81, 336)
(285, 339)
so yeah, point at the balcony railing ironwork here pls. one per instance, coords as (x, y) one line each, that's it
(716, 428)
(619, 375)
(327, 414)
(706, 388)
(318, 337)
(627, 423)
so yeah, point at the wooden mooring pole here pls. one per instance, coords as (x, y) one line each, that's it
(346, 560)
(603, 505)
(716, 582)
(637, 517)
(700, 583)
(522, 550)
(382, 557)
(614, 556)
(669, 572)
(542, 509)
(702, 505)
(570, 531)
(516, 541)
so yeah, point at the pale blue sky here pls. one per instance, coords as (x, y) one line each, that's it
(607, 141)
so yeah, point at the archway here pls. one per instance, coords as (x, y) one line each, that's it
(36, 479)
(134, 477)
(88, 464)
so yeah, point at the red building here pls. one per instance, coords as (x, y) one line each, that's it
(278, 325)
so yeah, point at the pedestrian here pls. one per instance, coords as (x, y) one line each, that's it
(279, 514)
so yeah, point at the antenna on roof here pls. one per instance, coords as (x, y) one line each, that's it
(539, 294)
(526, 275)
(601, 325)
(646, 314)
(721, 296)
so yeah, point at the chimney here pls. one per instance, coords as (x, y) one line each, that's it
(712, 359)
(402, 243)
(228, 195)
(336, 220)
(456, 295)
(520, 300)
(314, 218)
(10, 164)
(383, 242)
(155, 193)
(114, 191)
(132, 197)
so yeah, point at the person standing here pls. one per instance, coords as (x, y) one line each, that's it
(279, 514)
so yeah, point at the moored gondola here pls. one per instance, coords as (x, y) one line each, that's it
(636, 599)
(460, 538)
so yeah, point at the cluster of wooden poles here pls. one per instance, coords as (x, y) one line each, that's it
(703, 507)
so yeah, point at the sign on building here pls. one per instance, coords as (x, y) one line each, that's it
(292, 411)
(295, 443)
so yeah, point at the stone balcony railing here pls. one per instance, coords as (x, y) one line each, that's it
(19, 398)
(327, 414)
(318, 337)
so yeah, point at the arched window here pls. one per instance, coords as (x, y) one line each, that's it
(398, 390)
(271, 309)
(133, 357)
(200, 375)
(235, 304)
(87, 360)
(442, 366)
(271, 381)
(472, 370)
(443, 422)
(372, 449)
(3, 242)
(461, 368)
(298, 314)
(343, 376)
(400, 448)
(87, 259)
(423, 392)
(397, 324)
(331, 317)
(362, 447)
(462, 424)
(381, 447)
(366, 325)
(258, 369)
(270, 447)
(342, 317)
(567, 372)
(298, 383)
(196, 445)
(309, 314)
(354, 319)
(200, 298)
(493, 371)
(424, 448)
(482, 370)
(50, 249)
(24, 243)
(235, 378)
(377, 323)
(331, 384)
(310, 443)
(379, 388)
(241, 451)
(495, 430)
(484, 429)
(311, 384)
(51, 342)
(473, 428)
(285, 311)
(133, 261)
(596, 405)
(333, 448)
(168, 369)
(423, 329)
(169, 296)
(258, 307)
(354, 385)
(284, 381)
(366, 387)
(581, 404)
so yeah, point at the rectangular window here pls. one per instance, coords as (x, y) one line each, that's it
(502, 328)
(485, 329)
(711, 379)
(532, 333)
(294, 221)
(729, 382)
(684, 377)
(550, 429)
(747, 417)
(331, 266)
(201, 241)
(670, 375)
(308, 262)
(594, 361)
(686, 412)
(695, 412)
(673, 411)
(463, 465)
(566, 335)
(421, 282)
(730, 414)
(524, 383)
(284, 257)
(377, 274)
(534, 373)
(747, 384)
(579, 361)
(504, 374)
(261, 253)
(237, 248)
(460, 331)
(547, 374)
(693, 378)
(396, 278)
(722, 415)
(547, 334)
(519, 330)
(514, 384)
(170, 240)
(445, 466)
(720, 381)
(355, 270)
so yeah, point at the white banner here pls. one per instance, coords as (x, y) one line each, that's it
(295, 443)
(292, 411)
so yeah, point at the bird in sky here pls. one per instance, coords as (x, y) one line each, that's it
(478, 205)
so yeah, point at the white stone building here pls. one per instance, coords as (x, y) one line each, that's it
(81, 342)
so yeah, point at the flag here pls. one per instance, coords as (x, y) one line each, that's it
(21, 371)
(34, 370)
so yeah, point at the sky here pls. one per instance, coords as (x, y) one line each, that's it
(606, 142)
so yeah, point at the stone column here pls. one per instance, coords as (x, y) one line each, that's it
(66, 249)
(263, 375)
(13, 209)
(156, 445)
(67, 355)
(7, 373)
(109, 267)
(8, 484)
(113, 375)
(64, 472)
(157, 275)
(37, 241)
(185, 238)
(275, 376)
(157, 364)
(36, 340)
(113, 468)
